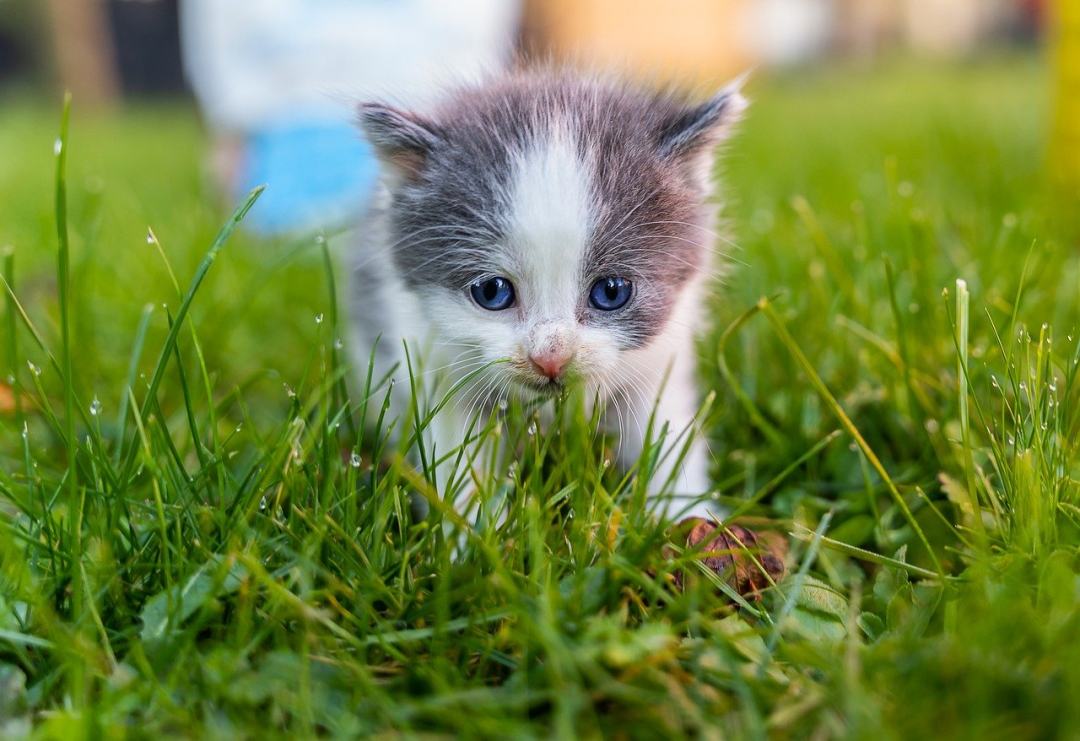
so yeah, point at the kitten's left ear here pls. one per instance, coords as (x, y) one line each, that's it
(402, 140)
(693, 132)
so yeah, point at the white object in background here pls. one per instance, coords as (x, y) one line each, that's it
(253, 61)
(791, 31)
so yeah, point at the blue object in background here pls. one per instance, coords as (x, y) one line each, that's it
(318, 174)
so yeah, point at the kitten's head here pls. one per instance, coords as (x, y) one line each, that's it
(548, 220)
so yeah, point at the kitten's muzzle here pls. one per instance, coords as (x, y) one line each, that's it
(551, 365)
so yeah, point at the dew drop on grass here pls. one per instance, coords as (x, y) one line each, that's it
(149, 237)
(263, 504)
(58, 146)
(532, 429)
(10, 379)
(338, 344)
(33, 368)
(25, 431)
(95, 407)
(354, 460)
(319, 318)
(1012, 440)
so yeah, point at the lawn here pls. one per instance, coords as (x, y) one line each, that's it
(200, 537)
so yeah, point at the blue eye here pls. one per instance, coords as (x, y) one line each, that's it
(493, 294)
(608, 294)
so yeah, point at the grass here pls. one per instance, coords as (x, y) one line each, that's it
(200, 538)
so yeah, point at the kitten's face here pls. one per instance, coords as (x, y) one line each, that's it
(550, 223)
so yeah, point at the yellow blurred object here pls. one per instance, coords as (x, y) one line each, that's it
(703, 41)
(1065, 153)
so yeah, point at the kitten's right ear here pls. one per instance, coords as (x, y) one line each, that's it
(401, 139)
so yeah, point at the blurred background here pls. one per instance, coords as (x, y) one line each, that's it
(275, 80)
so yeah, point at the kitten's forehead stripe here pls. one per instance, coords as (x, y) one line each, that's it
(567, 176)
(548, 225)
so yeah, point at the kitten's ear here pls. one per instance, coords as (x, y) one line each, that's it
(693, 132)
(402, 140)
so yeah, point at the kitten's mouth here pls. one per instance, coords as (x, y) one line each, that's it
(544, 386)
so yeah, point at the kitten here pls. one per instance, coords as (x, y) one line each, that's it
(561, 223)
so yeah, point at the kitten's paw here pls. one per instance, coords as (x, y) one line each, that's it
(749, 561)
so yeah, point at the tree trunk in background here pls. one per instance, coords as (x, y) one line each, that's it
(83, 50)
(1065, 153)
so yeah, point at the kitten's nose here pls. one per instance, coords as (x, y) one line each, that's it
(550, 364)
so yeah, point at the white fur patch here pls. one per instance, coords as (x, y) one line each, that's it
(550, 221)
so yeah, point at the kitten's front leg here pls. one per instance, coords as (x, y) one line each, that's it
(673, 404)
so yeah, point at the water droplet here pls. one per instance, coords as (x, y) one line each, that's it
(289, 391)
(1012, 440)
(150, 237)
(320, 239)
(33, 368)
(994, 382)
(532, 429)
(263, 503)
(95, 406)
(10, 379)
(1023, 386)
(1053, 387)
(354, 460)
(338, 344)
(319, 318)
(25, 431)
(58, 146)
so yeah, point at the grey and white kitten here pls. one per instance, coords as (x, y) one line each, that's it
(560, 224)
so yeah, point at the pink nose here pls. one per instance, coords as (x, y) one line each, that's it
(550, 364)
